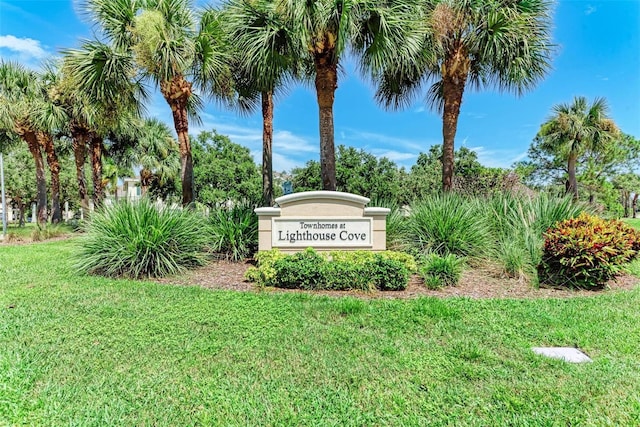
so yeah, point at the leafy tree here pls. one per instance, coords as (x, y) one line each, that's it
(504, 44)
(357, 172)
(223, 171)
(19, 169)
(425, 177)
(175, 52)
(577, 128)
(628, 185)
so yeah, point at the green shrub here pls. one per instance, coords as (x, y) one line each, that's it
(586, 251)
(234, 231)
(344, 276)
(449, 224)
(341, 270)
(141, 240)
(264, 274)
(388, 274)
(361, 257)
(439, 270)
(302, 270)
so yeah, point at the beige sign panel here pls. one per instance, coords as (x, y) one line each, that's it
(326, 220)
(326, 232)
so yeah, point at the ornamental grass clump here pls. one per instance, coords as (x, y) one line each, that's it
(234, 231)
(140, 239)
(449, 224)
(518, 224)
(439, 271)
(586, 251)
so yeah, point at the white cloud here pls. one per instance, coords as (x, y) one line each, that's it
(395, 156)
(283, 163)
(497, 158)
(363, 138)
(589, 10)
(25, 47)
(285, 140)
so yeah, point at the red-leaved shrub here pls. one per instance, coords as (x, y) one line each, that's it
(586, 251)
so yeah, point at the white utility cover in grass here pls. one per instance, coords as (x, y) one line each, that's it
(568, 354)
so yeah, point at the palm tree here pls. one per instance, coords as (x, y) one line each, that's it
(576, 127)
(101, 100)
(20, 97)
(505, 44)
(325, 30)
(51, 118)
(266, 62)
(175, 53)
(157, 154)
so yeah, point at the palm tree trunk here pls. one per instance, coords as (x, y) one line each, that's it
(145, 181)
(41, 181)
(326, 85)
(267, 148)
(96, 167)
(452, 91)
(571, 169)
(79, 145)
(46, 141)
(177, 92)
(634, 204)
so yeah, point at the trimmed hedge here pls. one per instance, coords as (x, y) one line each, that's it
(340, 270)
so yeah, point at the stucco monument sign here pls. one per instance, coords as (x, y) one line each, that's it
(324, 220)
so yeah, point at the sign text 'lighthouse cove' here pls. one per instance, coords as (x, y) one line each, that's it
(325, 220)
(322, 232)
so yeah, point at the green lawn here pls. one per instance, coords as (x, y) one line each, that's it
(27, 230)
(634, 222)
(91, 351)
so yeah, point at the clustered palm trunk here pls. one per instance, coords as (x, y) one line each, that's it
(80, 138)
(30, 137)
(46, 141)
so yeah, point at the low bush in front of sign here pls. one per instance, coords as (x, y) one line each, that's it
(339, 270)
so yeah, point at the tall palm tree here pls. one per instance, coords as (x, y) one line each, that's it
(20, 97)
(101, 100)
(576, 127)
(51, 119)
(266, 62)
(175, 53)
(326, 30)
(504, 44)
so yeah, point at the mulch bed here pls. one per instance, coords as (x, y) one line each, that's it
(475, 283)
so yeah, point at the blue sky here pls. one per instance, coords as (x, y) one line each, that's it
(598, 55)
